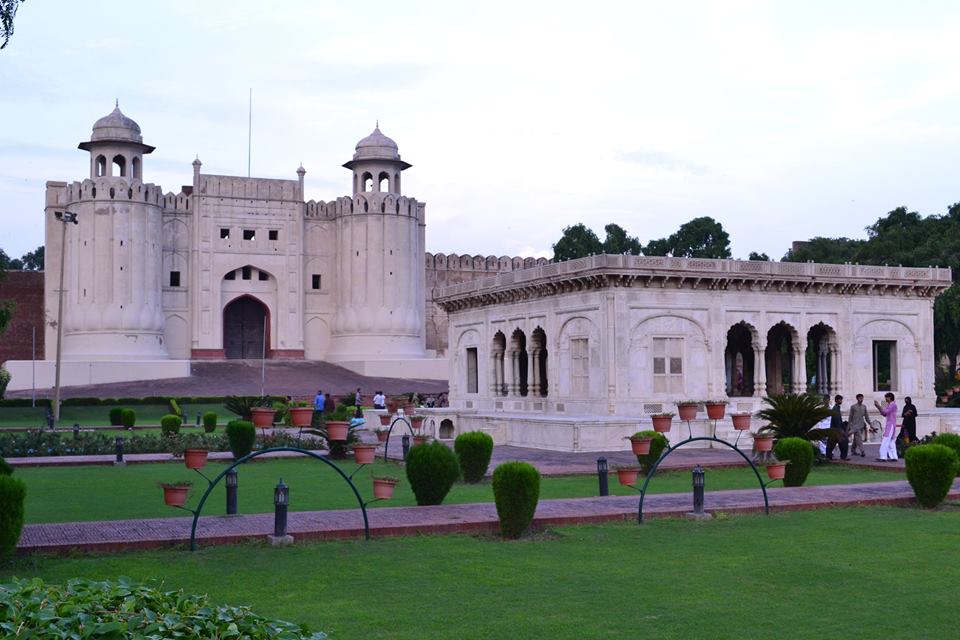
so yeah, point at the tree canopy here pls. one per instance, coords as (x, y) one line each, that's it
(8, 10)
(702, 237)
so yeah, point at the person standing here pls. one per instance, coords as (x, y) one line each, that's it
(838, 435)
(318, 402)
(909, 416)
(379, 401)
(356, 398)
(888, 447)
(857, 423)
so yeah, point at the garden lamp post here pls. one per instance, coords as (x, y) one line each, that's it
(231, 483)
(281, 500)
(698, 486)
(602, 476)
(118, 447)
(64, 217)
(405, 443)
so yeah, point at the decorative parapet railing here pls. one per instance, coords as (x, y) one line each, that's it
(602, 271)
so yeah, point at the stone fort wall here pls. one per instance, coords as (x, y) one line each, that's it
(446, 269)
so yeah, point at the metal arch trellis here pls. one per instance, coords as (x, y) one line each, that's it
(386, 443)
(690, 438)
(250, 456)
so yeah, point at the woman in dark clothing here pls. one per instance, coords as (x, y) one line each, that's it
(909, 416)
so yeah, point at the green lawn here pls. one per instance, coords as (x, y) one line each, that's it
(844, 573)
(90, 416)
(65, 494)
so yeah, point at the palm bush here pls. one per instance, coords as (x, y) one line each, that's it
(794, 416)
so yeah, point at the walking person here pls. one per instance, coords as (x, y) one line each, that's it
(857, 423)
(888, 447)
(838, 433)
(318, 402)
(909, 416)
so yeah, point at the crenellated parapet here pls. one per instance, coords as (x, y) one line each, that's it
(365, 203)
(488, 264)
(247, 188)
(104, 189)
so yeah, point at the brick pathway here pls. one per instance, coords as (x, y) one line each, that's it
(457, 518)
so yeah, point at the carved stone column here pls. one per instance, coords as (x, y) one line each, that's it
(799, 370)
(533, 367)
(759, 370)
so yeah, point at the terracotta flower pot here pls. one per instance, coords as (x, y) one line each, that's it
(776, 470)
(382, 436)
(415, 421)
(392, 406)
(262, 416)
(364, 453)
(301, 416)
(383, 488)
(175, 496)
(716, 410)
(418, 440)
(628, 477)
(687, 412)
(385, 419)
(195, 458)
(409, 409)
(641, 446)
(337, 430)
(763, 443)
(661, 424)
(741, 421)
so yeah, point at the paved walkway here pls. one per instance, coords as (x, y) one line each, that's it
(455, 518)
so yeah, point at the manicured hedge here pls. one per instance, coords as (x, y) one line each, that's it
(13, 492)
(210, 421)
(432, 469)
(951, 440)
(657, 445)
(516, 491)
(116, 416)
(799, 452)
(241, 435)
(123, 609)
(170, 424)
(931, 469)
(473, 450)
(23, 444)
(128, 418)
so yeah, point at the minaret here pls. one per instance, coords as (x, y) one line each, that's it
(380, 262)
(113, 270)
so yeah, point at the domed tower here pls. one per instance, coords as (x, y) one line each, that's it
(113, 256)
(380, 262)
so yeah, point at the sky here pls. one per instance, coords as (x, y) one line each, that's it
(781, 120)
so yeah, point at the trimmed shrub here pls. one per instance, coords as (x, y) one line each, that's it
(210, 421)
(128, 418)
(6, 469)
(516, 490)
(116, 416)
(931, 469)
(473, 450)
(4, 380)
(432, 469)
(800, 453)
(951, 440)
(124, 609)
(175, 408)
(170, 425)
(242, 436)
(13, 492)
(657, 446)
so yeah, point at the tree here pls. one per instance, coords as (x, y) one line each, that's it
(702, 237)
(8, 9)
(617, 241)
(577, 241)
(33, 260)
(760, 257)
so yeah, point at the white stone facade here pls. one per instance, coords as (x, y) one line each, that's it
(577, 355)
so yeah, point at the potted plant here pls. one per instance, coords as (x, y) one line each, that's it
(301, 414)
(716, 409)
(175, 493)
(661, 422)
(777, 469)
(385, 419)
(741, 421)
(687, 409)
(640, 445)
(382, 434)
(195, 457)
(420, 438)
(383, 487)
(364, 453)
(416, 421)
(627, 474)
(763, 441)
(262, 416)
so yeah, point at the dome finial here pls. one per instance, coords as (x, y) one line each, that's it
(377, 126)
(116, 103)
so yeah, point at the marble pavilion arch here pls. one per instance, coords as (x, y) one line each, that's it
(576, 355)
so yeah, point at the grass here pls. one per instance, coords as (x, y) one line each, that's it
(841, 573)
(92, 416)
(66, 494)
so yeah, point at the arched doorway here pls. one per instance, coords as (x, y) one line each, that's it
(781, 341)
(739, 360)
(245, 323)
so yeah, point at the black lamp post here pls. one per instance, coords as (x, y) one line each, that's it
(198, 418)
(231, 484)
(118, 446)
(281, 500)
(602, 476)
(405, 442)
(698, 484)
(76, 430)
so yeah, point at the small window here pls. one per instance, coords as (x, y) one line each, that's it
(174, 278)
(263, 275)
(231, 275)
(472, 370)
(249, 234)
(224, 234)
(667, 365)
(274, 234)
(315, 281)
(579, 366)
(884, 365)
(247, 272)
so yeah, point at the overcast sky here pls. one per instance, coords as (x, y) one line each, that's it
(781, 120)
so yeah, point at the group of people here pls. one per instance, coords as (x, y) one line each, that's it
(858, 422)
